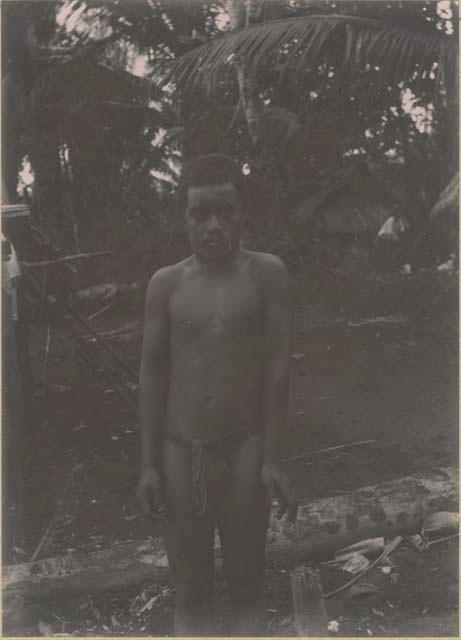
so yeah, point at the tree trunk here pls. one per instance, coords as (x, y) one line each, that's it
(324, 526)
(249, 100)
(239, 13)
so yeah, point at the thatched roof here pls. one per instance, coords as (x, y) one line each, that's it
(354, 202)
(448, 201)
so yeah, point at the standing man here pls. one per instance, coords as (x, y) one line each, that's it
(214, 386)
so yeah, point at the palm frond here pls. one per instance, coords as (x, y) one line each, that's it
(301, 43)
(284, 130)
(448, 200)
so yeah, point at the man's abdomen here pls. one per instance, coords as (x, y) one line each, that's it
(215, 356)
(215, 389)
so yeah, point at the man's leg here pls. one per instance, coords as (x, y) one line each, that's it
(242, 519)
(189, 542)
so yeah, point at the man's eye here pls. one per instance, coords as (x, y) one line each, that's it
(199, 214)
(228, 210)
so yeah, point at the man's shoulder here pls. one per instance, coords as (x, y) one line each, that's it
(166, 278)
(267, 262)
(271, 273)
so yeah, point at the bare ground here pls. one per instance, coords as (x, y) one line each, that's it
(378, 362)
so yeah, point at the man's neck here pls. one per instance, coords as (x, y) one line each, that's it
(216, 267)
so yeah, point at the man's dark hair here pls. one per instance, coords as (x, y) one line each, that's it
(214, 168)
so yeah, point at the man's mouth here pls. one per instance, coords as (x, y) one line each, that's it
(215, 242)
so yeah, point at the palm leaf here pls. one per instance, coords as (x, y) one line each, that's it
(284, 130)
(301, 43)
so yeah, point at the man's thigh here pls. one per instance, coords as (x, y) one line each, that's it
(243, 516)
(189, 538)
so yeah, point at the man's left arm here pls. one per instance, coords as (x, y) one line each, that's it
(275, 398)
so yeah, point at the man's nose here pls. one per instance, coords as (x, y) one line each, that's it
(214, 223)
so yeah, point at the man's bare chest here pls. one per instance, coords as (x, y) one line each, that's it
(201, 308)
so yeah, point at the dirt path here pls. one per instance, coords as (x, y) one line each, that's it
(355, 377)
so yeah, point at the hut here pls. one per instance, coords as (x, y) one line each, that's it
(344, 217)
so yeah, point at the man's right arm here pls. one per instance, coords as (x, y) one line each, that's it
(153, 382)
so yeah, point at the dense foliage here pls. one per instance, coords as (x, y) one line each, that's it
(104, 100)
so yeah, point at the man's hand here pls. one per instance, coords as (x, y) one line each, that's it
(149, 491)
(278, 486)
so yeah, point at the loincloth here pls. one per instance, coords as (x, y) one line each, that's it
(210, 462)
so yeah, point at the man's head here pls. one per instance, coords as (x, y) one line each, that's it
(210, 193)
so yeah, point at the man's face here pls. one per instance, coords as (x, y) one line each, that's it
(214, 220)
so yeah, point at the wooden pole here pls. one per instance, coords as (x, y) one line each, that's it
(45, 240)
(311, 620)
(77, 256)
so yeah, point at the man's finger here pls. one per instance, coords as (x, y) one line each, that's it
(289, 495)
(287, 499)
(283, 502)
(270, 491)
(292, 512)
(158, 498)
(144, 501)
(287, 490)
(282, 508)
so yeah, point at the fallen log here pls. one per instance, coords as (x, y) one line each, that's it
(393, 508)
(30, 588)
